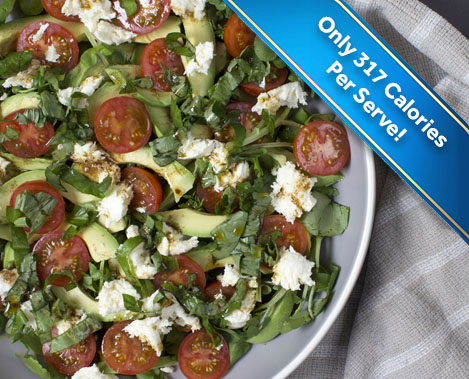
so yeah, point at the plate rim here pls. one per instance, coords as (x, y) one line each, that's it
(353, 277)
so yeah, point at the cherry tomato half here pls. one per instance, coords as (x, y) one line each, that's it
(294, 235)
(156, 54)
(55, 37)
(237, 36)
(322, 148)
(70, 360)
(124, 354)
(151, 14)
(271, 82)
(58, 214)
(32, 141)
(148, 193)
(54, 8)
(179, 277)
(122, 125)
(55, 255)
(215, 288)
(210, 198)
(198, 357)
(247, 118)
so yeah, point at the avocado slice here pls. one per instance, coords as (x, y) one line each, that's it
(101, 244)
(27, 164)
(199, 31)
(79, 299)
(162, 125)
(180, 179)
(193, 223)
(171, 25)
(10, 31)
(21, 101)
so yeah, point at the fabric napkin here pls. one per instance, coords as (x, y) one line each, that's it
(408, 316)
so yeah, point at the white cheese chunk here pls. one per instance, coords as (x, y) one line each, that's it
(112, 34)
(23, 78)
(3, 168)
(203, 59)
(7, 279)
(289, 95)
(292, 270)
(193, 148)
(40, 33)
(88, 152)
(167, 369)
(173, 243)
(141, 262)
(64, 325)
(65, 95)
(3, 97)
(149, 305)
(230, 276)
(291, 192)
(114, 207)
(92, 372)
(149, 331)
(176, 313)
(236, 174)
(132, 231)
(239, 317)
(189, 8)
(88, 86)
(51, 54)
(219, 158)
(110, 298)
(27, 309)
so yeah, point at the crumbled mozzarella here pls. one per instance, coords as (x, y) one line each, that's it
(40, 32)
(219, 158)
(189, 8)
(110, 297)
(88, 86)
(3, 166)
(203, 59)
(27, 309)
(262, 84)
(193, 148)
(7, 279)
(290, 95)
(292, 270)
(88, 152)
(114, 207)
(63, 325)
(51, 54)
(291, 192)
(92, 372)
(167, 369)
(132, 231)
(149, 305)
(176, 313)
(3, 97)
(149, 331)
(141, 262)
(173, 243)
(23, 78)
(253, 283)
(230, 276)
(239, 317)
(236, 174)
(112, 34)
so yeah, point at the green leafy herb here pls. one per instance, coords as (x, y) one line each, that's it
(37, 207)
(32, 364)
(14, 62)
(165, 150)
(131, 303)
(5, 9)
(228, 234)
(263, 52)
(123, 256)
(179, 84)
(8, 135)
(31, 115)
(130, 7)
(83, 214)
(51, 106)
(180, 44)
(75, 334)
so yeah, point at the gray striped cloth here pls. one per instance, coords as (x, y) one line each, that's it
(408, 316)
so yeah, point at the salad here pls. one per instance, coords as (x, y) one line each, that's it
(165, 191)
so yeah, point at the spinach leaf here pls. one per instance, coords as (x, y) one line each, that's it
(263, 52)
(237, 345)
(165, 150)
(130, 7)
(33, 365)
(5, 9)
(15, 62)
(228, 234)
(75, 334)
(327, 218)
(51, 106)
(37, 207)
(184, 47)
(326, 181)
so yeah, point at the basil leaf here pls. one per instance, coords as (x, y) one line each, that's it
(263, 52)
(14, 63)
(51, 106)
(31, 115)
(83, 214)
(9, 135)
(185, 47)
(33, 365)
(132, 304)
(37, 207)
(75, 334)
(165, 150)
(5, 9)
(326, 181)
(130, 7)
(228, 234)
(179, 84)
(123, 257)
(256, 214)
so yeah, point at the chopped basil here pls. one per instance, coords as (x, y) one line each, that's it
(75, 334)
(37, 207)
(14, 62)
(165, 150)
(179, 43)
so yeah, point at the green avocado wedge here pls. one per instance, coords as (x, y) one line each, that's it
(14, 103)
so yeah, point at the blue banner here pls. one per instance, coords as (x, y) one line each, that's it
(371, 88)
